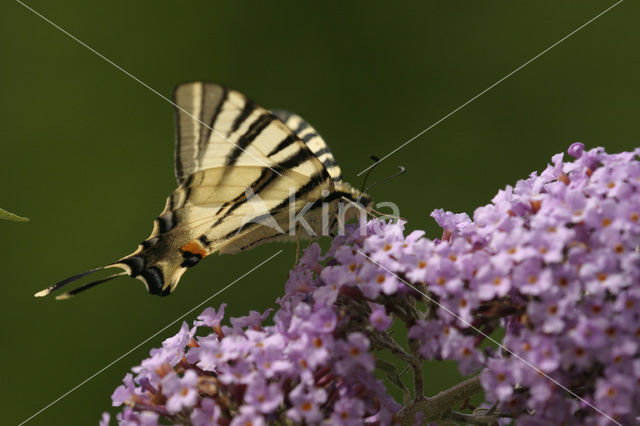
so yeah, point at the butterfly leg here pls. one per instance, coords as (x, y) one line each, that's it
(297, 245)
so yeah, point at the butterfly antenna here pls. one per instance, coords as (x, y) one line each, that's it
(375, 160)
(401, 171)
(64, 282)
(73, 292)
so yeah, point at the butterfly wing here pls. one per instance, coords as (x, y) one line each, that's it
(314, 141)
(220, 127)
(237, 164)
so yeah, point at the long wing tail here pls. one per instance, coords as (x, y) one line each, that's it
(157, 266)
(47, 291)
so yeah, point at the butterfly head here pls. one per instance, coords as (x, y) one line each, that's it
(364, 200)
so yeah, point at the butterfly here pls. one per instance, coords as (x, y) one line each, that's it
(245, 175)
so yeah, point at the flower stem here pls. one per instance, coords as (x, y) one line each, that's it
(436, 407)
(476, 418)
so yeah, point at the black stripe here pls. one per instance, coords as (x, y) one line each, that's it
(200, 123)
(187, 192)
(246, 226)
(289, 163)
(241, 199)
(329, 198)
(294, 160)
(223, 99)
(150, 242)
(336, 195)
(249, 106)
(253, 243)
(204, 240)
(155, 280)
(322, 151)
(222, 207)
(71, 279)
(245, 140)
(303, 125)
(177, 156)
(190, 259)
(166, 222)
(329, 162)
(315, 181)
(282, 145)
(135, 263)
(308, 137)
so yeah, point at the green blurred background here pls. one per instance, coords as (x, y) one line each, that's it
(87, 152)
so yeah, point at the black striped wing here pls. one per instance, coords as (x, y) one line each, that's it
(220, 127)
(241, 171)
(237, 164)
(314, 141)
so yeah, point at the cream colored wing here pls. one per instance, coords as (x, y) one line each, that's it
(237, 163)
(203, 217)
(242, 171)
(314, 141)
(220, 127)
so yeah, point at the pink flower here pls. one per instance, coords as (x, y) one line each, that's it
(181, 391)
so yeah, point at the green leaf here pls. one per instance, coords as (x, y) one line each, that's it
(5, 215)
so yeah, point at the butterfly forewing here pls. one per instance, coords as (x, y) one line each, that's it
(220, 127)
(313, 140)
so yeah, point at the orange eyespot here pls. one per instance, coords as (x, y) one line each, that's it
(194, 248)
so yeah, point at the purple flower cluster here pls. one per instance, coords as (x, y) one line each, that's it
(556, 259)
(553, 261)
(307, 367)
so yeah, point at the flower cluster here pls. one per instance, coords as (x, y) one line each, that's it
(553, 261)
(555, 258)
(306, 367)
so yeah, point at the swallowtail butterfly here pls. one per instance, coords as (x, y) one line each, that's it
(242, 171)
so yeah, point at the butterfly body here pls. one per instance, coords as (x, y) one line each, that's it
(246, 176)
